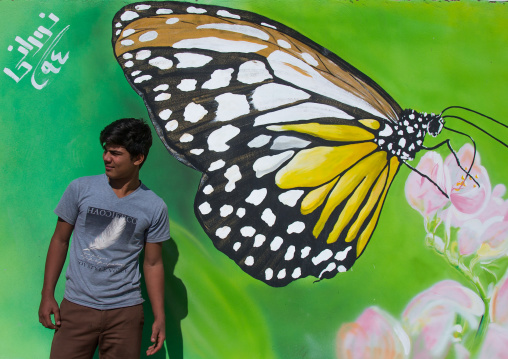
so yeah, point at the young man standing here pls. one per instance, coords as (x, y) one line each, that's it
(112, 217)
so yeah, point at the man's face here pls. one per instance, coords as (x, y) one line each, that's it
(119, 164)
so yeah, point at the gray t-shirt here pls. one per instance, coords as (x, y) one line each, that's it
(109, 234)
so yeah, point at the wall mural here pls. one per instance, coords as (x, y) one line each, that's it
(290, 151)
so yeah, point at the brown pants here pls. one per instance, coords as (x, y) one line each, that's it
(117, 332)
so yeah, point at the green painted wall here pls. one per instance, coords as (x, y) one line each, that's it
(427, 54)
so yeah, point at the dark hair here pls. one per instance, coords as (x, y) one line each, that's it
(132, 133)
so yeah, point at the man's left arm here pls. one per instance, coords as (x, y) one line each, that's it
(153, 269)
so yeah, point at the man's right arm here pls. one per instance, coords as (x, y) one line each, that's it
(55, 260)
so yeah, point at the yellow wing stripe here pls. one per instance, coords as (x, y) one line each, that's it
(374, 196)
(367, 233)
(356, 200)
(344, 133)
(370, 124)
(319, 165)
(346, 185)
(316, 197)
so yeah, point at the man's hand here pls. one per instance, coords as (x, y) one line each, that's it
(158, 337)
(49, 306)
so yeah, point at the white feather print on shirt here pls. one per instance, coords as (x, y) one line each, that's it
(110, 235)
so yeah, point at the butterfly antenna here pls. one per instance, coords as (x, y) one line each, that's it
(427, 177)
(478, 127)
(473, 111)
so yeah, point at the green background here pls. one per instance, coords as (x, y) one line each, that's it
(426, 54)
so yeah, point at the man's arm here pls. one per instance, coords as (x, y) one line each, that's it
(55, 260)
(154, 278)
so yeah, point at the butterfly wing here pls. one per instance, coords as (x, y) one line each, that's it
(283, 131)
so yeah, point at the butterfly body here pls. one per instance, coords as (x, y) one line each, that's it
(297, 148)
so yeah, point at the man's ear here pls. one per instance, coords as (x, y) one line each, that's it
(138, 160)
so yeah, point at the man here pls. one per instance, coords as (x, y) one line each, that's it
(112, 217)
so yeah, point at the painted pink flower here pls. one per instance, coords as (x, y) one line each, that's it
(374, 335)
(431, 319)
(495, 344)
(469, 197)
(422, 194)
(499, 303)
(487, 234)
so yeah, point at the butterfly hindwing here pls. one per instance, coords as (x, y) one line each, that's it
(283, 131)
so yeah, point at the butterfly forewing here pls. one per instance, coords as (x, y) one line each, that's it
(282, 130)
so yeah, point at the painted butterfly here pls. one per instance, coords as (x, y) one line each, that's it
(297, 148)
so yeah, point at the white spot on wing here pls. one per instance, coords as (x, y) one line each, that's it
(286, 142)
(268, 164)
(268, 217)
(301, 112)
(330, 267)
(219, 45)
(273, 95)
(128, 15)
(186, 137)
(163, 97)
(142, 78)
(161, 62)
(128, 32)
(127, 56)
(225, 13)
(162, 87)
(237, 246)
(290, 198)
(268, 25)
(165, 114)
(240, 212)
(143, 54)
(164, 11)
(281, 274)
(218, 138)
(309, 59)
(290, 253)
(141, 7)
(305, 252)
(249, 261)
(187, 85)
(197, 151)
(241, 29)
(226, 210)
(259, 141)
(252, 72)
(284, 44)
(341, 269)
(231, 106)
(256, 196)
(208, 189)
(297, 273)
(129, 64)
(172, 21)
(188, 59)
(296, 227)
(171, 125)
(216, 165)
(148, 36)
(205, 208)
(340, 256)
(247, 231)
(276, 243)
(194, 112)
(233, 175)
(218, 79)
(195, 10)
(323, 256)
(127, 42)
(223, 232)
(259, 240)
(268, 273)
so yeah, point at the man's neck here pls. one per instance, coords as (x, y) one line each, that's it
(124, 186)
